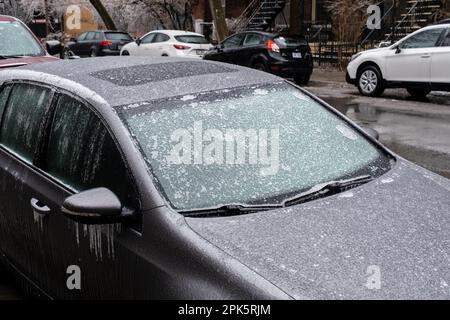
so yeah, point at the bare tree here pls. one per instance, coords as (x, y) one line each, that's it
(171, 14)
(349, 18)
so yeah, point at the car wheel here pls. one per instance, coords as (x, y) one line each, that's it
(260, 66)
(125, 53)
(302, 80)
(418, 93)
(370, 82)
(93, 53)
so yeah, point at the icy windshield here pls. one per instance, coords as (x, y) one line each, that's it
(16, 40)
(254, 145)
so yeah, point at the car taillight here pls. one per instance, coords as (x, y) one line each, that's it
(181, 47)
(106, 43)
(272, 46)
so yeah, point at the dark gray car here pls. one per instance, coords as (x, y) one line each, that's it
(200, 180)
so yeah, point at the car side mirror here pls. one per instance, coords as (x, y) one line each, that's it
(372, 133)
(398, 50)
(219, 47)
(138, 42)
(53, 47)
(73, 40)
(95, 206)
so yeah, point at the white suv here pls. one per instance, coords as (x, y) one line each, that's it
(419, 62)
(168, 43)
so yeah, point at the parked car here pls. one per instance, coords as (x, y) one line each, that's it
(98, 174)
(168, 43)
(418, 62)
(282, 55)
(97, 43)
(19, 46)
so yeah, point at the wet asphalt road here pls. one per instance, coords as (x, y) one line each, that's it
(416, 130)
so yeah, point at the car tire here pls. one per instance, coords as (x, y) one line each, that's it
(125, 53)
(302, 80)
(418, 93)
(370, 82)
(260, 66)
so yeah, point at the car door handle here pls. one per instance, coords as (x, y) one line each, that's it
(39, 207)
(426, 56)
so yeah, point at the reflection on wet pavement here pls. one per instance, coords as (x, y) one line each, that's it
(421, 138)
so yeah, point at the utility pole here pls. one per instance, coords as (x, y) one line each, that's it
(218, 15)
(47, 18)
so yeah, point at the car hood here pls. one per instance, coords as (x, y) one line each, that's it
(389, 239)
(18, 62)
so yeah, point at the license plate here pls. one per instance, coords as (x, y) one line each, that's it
(297, 55)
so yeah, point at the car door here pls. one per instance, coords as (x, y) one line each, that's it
(145, 46)
(161, 45)
(76, 47)
(440, 62)
(20, 132)
(79, 153)
(412, 61)
(227, 50)
(251, 46)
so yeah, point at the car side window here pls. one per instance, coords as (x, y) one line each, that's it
(98, 36)
(82, 37)
(161, 37)
(253, 39)
(90, 36)
(424, 39)
(446, 42)
(148, 39)
(82, 155)
(233, 42)
(22, 118)
(4, 94)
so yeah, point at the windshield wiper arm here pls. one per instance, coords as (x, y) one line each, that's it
(228, 210)
(327, 189)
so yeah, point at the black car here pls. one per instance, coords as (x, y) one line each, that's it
(97, 43)
(282, 55)
(185, 179)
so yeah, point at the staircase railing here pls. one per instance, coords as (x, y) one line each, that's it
(248, 14)
(413, 8)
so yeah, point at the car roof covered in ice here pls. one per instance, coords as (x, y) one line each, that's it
(124, 80)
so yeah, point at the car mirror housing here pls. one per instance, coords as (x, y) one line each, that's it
(53, 47)
(95, 206)
(138, 42)
(398, 49)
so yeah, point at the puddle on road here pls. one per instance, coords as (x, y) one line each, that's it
(419, 138)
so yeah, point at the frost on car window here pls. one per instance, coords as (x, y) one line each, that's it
(16, 40)
(4, 93)
(250, 146)
(81, 152)
(22, 119)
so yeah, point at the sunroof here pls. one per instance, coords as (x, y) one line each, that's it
(142, 74)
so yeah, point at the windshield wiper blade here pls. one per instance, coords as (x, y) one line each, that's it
(228, 210)
(10, 57)
(327, 189)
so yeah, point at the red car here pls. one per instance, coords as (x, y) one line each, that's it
(19, 46)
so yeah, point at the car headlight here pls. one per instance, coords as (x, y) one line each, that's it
(355, 56)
